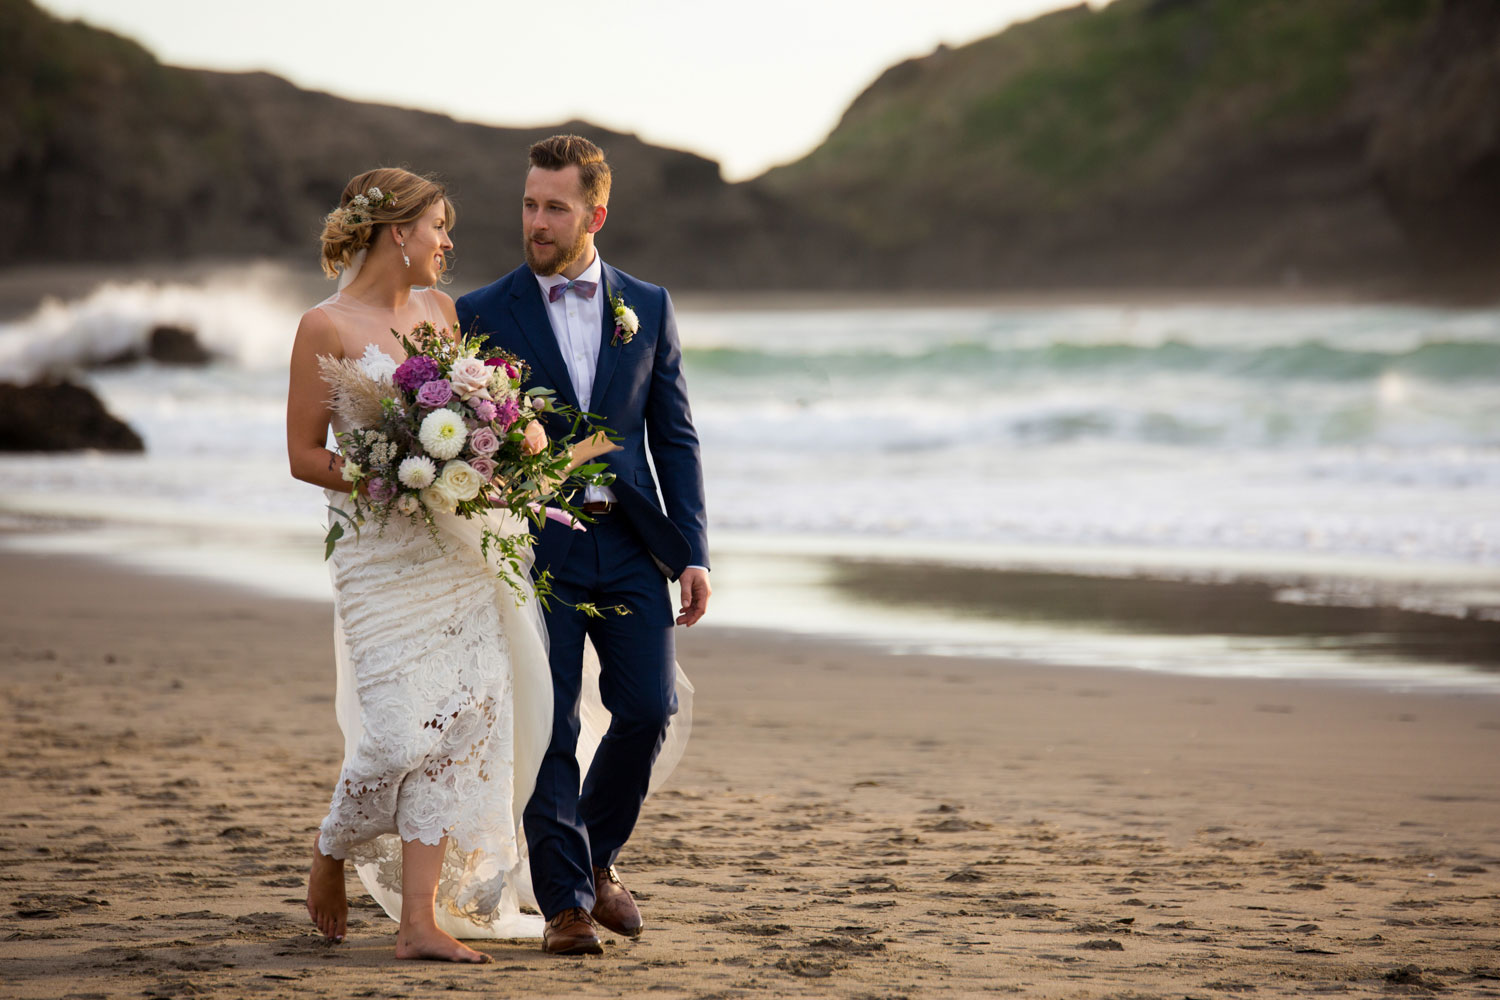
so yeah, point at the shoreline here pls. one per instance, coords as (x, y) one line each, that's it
(23, 288)
(846, 823)
(1355, 627)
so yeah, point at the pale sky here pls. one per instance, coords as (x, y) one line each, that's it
(748, 84)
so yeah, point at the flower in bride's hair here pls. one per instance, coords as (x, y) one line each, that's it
(442, 434)
(484, 441)
(407, 504)
(484, 466)
(469, 376)
(461, 480)
(436, 498)
(415, 372)
(436, 393)
(417, 472)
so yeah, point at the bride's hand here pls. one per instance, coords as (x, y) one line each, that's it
(536, 438)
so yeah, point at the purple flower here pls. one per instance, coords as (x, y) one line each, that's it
(483, 409)
(434, 394)
(509, 413)
(484, 466)
(381, 490)
(414, 372)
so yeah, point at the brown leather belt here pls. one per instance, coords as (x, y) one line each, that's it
(596, 507)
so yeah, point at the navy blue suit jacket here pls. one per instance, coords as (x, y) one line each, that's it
(639, 393)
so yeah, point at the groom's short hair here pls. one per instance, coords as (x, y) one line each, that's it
(560, 151)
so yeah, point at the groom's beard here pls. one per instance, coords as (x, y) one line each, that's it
(560, 256)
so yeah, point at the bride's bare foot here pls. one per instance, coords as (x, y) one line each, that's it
(432, 944)
(327, 903)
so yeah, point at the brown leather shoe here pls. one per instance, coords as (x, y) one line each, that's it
(614, 907)
(571, 932)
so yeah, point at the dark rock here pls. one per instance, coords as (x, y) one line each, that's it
(168, 345)
(60, 416)
(172, 345)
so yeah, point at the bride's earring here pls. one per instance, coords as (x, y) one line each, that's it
(403, 254)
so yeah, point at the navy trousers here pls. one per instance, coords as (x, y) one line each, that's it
(569, 831)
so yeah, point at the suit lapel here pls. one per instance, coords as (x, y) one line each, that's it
(609, 353)
(531, 316)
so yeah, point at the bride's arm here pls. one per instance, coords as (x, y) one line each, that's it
(307, 410)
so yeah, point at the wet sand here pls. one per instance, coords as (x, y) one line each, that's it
(846, 823)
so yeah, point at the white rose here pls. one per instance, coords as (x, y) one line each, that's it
(439, 499)
(442, 433)
(626, 317)
(461, 480)
(417, 472)
(469, 376)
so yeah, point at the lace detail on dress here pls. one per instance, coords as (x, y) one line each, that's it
(435, 756)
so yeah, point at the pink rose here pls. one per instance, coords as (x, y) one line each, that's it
(484, 466)
(468, 376)
(484, 442)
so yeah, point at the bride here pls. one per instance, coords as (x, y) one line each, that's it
(444, 692)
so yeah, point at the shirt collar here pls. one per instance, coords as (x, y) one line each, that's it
(594, 272)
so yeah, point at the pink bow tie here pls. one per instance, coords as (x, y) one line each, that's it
(584, 288)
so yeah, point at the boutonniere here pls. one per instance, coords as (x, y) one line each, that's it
(626, 321)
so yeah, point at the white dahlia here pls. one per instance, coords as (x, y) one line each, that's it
(442, 433)
(417, 472)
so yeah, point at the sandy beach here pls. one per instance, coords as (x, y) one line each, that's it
(846, 822)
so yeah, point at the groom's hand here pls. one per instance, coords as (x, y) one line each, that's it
(695, 591)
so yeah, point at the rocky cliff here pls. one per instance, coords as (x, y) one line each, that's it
(1183, 142)
(105, 154)
(1230, 143)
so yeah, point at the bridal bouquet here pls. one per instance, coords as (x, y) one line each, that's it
(444, 432)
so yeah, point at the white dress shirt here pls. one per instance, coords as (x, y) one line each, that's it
(576, 323)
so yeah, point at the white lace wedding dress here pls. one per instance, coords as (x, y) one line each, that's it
(444, 697)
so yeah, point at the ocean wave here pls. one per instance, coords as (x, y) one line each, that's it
(247, 319)
(1457, 361)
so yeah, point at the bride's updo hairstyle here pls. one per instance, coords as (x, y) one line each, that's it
(384, 196)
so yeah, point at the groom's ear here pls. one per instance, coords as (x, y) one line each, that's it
(597, 222)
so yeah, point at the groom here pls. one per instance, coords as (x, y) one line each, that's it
(556, 313)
